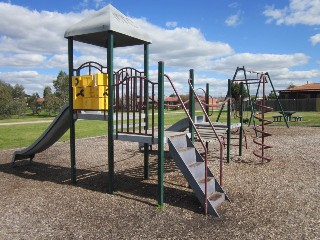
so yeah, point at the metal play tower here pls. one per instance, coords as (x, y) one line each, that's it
(107, 28)
(123, 99)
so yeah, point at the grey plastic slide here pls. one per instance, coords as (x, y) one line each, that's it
(183, 124)
(52, 134)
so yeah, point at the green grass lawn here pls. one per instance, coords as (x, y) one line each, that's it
(19, 136)
(28, 118)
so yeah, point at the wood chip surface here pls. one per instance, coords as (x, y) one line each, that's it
(275, 200)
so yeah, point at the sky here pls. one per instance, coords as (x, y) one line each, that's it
(211, 37)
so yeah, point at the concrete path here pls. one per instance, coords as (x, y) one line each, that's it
(31, 122)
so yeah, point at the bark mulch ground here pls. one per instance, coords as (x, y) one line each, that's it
(276, 200)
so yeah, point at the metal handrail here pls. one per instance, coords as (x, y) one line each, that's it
(89, 65)
(202, 142)
(221, 142)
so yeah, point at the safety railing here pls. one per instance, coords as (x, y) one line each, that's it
(132, 102)
(90, 65)
(199, 137)
(219, 138)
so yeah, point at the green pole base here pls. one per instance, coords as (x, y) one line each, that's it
(160, 207)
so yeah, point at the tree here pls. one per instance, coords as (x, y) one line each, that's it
(184, 97)
(47, 92)
(18, 92)
(19, 107)
(53, 104)
(291, 86)
(6, 99)
(61, 85)
(236, 93)
(272, 95)
(33, 104)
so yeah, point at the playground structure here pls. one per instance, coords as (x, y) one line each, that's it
(257, 107)
(125, 98)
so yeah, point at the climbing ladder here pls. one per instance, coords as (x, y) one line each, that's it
(192, 166)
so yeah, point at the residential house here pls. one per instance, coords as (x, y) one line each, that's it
(309, 90)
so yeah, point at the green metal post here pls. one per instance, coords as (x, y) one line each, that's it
(207, 109)
(250, 102)
(191, 104)
(285, 119)
(71, 120)
(221, 109)
(160, 134)
(146, 110)
(250, 105)
(234, 77)
(241, 119)
(254, 110)
(229, 122)
(110, 43)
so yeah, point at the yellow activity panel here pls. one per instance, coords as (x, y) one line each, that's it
(90, 92)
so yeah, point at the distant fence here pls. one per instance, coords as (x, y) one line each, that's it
(299, 105)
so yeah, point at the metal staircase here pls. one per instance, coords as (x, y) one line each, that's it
(194, 169)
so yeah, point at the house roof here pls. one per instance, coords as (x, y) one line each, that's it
(310, 87)
(211, 99)
(93, 30)
(171, 99)
(40, 100)
(175, 99)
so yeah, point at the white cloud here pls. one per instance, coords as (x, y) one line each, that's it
(298, 12)
(23, 30)
(32, 42)
(59, 61)
(182, 47)
(233, 20)
(32, 81)
(315, 39)
(171, 24)
(99, 4)
(21, 60)
(233, 5)
(259, 62)
(279, 67)
(92, 3)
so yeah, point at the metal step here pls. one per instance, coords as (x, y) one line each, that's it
(197, 169)
(216, 198)
(192, 165)
(188, 155)
(179, 141)
(210, 184)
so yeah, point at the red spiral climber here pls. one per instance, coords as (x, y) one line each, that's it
(261, 132)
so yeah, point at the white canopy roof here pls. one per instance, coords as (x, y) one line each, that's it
(93, 30)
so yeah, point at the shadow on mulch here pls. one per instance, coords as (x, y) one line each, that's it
(129, 183)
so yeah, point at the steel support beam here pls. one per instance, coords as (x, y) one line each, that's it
(146, 110)
(229, 121)
(160, 134)
(110, 44)
(72, 121)
(191, 104)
